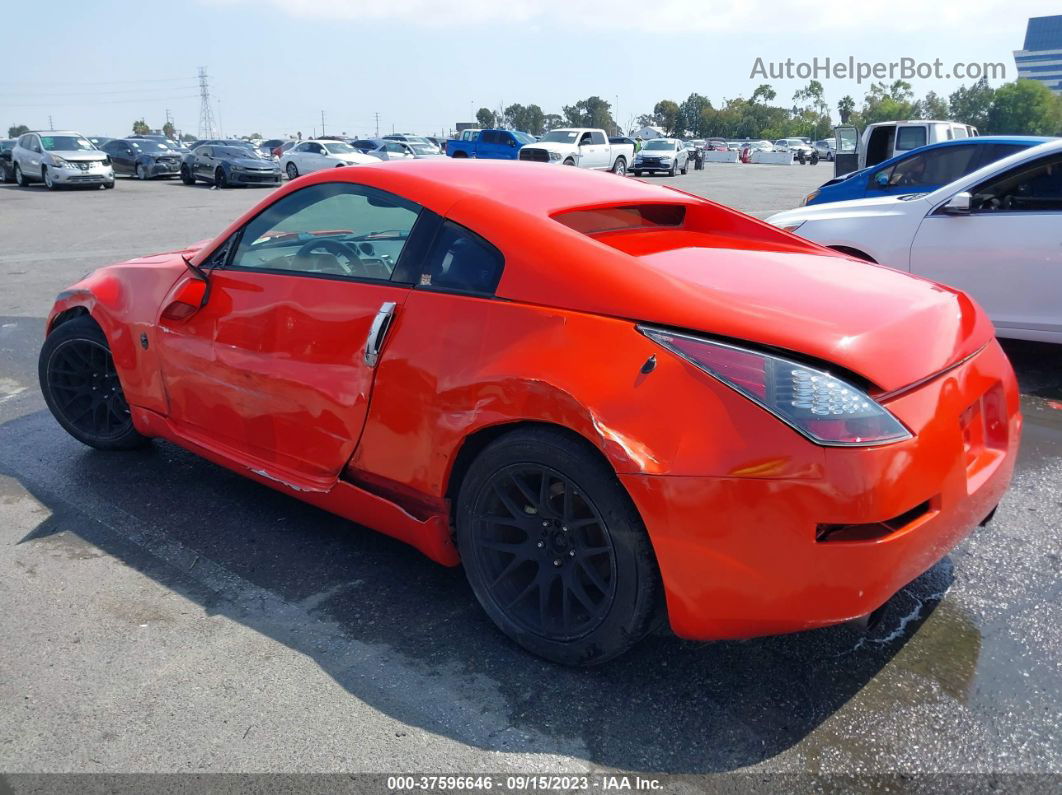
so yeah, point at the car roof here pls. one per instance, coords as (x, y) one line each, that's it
(57, 132)
(1029, 140)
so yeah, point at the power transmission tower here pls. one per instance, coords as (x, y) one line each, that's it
(322, 123)
(377, 124)
(206, 113)
(51, 126)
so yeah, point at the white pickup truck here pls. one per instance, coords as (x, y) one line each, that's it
(582, 147)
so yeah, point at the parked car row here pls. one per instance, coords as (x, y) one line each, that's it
(993, 228)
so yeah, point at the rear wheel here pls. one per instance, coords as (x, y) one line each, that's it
(20, 178)
(620, 167)
(81, 387)
(569, 162)
(555, 550)
(686, 167)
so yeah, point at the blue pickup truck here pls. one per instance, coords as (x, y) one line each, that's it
(490, 145)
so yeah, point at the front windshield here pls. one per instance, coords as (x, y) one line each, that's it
(523, 137)
(423, 149)
(66, 143)
(149, 146)
(234, 151)
(339, 148)
(560, 136)
(659, 145)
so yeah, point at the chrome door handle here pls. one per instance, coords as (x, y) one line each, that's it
(378, 331)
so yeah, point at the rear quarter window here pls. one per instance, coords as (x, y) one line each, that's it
(462, 261)
(910, 138)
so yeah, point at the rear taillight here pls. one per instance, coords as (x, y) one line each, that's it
(822, 407)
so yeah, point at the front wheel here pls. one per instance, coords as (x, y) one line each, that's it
(141, 173)
(637, 173)
(81, 387)
(186, 176)
(555, 550)
(569, 162)
(49, 180)
(220, 180)
(671, 171)
(293, 171)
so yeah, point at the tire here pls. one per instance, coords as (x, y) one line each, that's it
(293, 170)
(219, 178)
(108, 185)
(186, 176)
(458, 155)
(46, 178)
(140, 173)
(8, 177)
(595, 585)
(686, 167)
(637, 173)
(82, 389)
(569, 162)
(620, 167)
(20, 178)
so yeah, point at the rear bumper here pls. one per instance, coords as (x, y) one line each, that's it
(742, 557)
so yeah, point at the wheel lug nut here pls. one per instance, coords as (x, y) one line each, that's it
(541, 544)
(564, 529)
(557, 562)
(571, 553)
(545, 524)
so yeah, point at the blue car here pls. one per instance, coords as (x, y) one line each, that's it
(491, 145)
(924, 169)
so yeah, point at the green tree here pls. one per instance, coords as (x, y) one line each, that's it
(591, 112)
(140, 127)
(551, 121)
(932, 106)
(763, 94)
(486, 118)
(971, 104)
(666, 115)
(528, 118)
(169, 130)
(691, 112)
(887, 103)
(1025, 107)
(15, 130)
(845, 108)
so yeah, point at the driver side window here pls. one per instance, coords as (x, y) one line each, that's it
(332, 229)
(1030, 187)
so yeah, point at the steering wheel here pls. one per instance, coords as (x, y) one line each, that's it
(334, 247)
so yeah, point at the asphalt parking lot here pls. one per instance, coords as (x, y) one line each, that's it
(161, 614)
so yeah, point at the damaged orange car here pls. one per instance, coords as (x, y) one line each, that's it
(609, 401)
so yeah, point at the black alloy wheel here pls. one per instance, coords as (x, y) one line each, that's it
(554, 549)
(545, 551)
(82, 389)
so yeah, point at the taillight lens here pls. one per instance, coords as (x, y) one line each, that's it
(822, 407)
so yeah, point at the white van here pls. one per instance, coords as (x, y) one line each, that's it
(887, 139)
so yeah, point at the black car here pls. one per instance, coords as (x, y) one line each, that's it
(7, 173)
(143, 158)
(364, 146)
(228, 166)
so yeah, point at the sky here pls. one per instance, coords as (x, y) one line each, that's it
(275, 65)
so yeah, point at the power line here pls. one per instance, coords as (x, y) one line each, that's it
(66, 104)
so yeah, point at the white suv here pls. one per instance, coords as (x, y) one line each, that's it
(58, 158)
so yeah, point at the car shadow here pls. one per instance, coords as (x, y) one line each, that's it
(407, 636)
(1038, 366)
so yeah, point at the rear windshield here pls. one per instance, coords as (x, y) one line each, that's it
(612, 219)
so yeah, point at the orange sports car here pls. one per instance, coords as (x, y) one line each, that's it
(609, 401)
